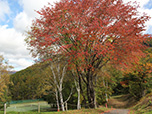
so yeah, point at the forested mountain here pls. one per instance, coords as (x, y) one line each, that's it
(12, 72)
(27, 83)
(37, 82)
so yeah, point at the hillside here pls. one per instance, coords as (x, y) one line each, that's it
(145, 104)
(28, 83)
(12, 72)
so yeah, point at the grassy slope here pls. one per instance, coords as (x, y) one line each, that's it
(144, 105)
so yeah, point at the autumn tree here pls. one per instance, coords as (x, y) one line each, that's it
(91, 33)
(56, 72)
(138, 79)
(108, 79)
(4, 80)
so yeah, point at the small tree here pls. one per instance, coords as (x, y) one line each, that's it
(58, 79)
(4, 81)
(92, 33)
(56, 72)
(138, 79)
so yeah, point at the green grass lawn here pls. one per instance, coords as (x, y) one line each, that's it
(32, 108)
(26, 107)
(82, 111)
(142, 107)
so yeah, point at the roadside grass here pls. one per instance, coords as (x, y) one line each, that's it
(32, 108)
(139, 112)
(82, 111)
(149, 112)
(144, 106)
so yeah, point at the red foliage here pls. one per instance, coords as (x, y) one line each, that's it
(90, 32)
(124, 83)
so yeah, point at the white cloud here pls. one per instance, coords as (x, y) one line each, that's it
(30, 6)
(21, 63)
(4, 9)
(24, 19)
(12, 46)
(22, 22)
(142, 9)
(10, 39)
(140, 2)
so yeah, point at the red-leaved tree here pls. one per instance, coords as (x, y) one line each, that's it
(91, 34)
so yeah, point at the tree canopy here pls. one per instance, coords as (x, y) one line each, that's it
(4, 80)
(91, 33)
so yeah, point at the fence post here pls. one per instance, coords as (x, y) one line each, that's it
(5, 108)
(38, 107)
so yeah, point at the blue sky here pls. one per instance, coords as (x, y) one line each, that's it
(15, 8)
(16, 17)
(148, 5)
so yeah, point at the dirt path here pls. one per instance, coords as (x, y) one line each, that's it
(121, 102)
(118, 111)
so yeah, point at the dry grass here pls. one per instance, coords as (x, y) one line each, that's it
(121, 101)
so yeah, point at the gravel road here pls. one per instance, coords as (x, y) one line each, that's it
(118, 111)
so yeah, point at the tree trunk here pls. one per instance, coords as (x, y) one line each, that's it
(142, 90)
(88, 96)
(82, 92)
(90, 92)
(106, 91)
(95, 100)
(105, 85)
(78, 104)
(92, 96)
(78, 90)
(66, 106)
(61, 99)
(57, 100)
